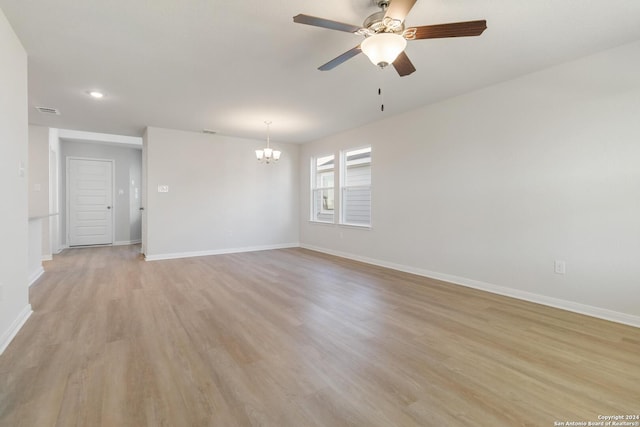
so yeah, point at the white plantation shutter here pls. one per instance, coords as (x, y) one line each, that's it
(356, 189)
(357, 205)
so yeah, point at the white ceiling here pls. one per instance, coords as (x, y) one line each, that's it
(230, 65)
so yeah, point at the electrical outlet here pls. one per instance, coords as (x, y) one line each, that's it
(163, 188)
(560, 267)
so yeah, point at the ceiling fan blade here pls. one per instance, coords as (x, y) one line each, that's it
(325, 23)
(399, 9)
(403, 65)
(340, 59)
(456, 29)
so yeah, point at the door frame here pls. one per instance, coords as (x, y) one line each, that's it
(113, 199)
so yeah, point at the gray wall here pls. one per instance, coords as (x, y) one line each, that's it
(39, 181)
(14, 289)
(220, 198)
(128, 173)
(488, 189)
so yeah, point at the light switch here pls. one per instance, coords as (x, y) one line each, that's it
(163, 188)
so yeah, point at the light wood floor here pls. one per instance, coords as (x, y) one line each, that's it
(296, 338)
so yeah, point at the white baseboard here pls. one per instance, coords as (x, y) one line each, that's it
(48, 257)
(601, 313)
(126, 242)
(159, 257)
(118, 243)
(36, 275)
(17, 324)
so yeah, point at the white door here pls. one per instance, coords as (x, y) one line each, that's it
(90, 196)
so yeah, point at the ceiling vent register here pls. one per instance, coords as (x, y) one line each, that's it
(48, 110)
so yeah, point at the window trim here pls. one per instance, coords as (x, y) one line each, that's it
(313, 190)
(343, 186)
(339, 189)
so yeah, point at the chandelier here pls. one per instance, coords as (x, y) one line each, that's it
(268, 155)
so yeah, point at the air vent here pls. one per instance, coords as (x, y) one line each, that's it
(48, 110)
(209, 131)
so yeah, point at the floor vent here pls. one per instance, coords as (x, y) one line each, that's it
(48, 110)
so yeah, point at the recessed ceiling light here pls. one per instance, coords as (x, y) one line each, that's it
(96, 94)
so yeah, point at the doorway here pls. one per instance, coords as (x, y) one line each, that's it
(89, 201)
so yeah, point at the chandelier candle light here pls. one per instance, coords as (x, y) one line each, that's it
(268, 155)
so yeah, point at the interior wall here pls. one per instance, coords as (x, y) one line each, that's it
(145, 187)
(38, 181)
(127, 173)
(14, 289)
(219, 198)
(54, 192)
(490, 188)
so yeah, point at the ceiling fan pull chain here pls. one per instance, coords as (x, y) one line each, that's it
(380, 91)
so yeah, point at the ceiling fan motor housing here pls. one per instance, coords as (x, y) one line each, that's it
(376, 23)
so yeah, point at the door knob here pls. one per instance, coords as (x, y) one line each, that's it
(108, 207)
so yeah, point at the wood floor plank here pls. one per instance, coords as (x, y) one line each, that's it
(297, 338)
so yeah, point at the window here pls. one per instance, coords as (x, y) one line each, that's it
(354, 207)
(356, 187)
(322, 188)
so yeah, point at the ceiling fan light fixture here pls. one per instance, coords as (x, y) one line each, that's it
(383, 48)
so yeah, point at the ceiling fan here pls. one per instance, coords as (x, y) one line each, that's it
(386, 36)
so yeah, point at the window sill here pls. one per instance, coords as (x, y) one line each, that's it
(359, 227)
(313, 221)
